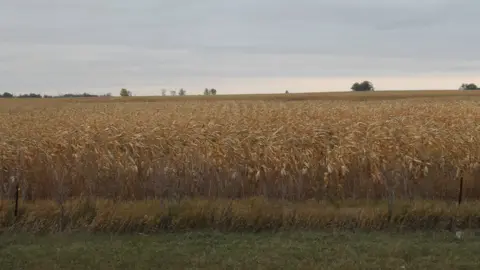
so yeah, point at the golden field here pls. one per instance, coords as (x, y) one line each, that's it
(331, 147)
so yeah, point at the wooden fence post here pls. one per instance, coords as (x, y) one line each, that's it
(17, 191)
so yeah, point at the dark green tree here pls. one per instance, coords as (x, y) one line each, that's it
(363, 86)
(31, 95)
(469, 86)
(7, 95)
(125, 93)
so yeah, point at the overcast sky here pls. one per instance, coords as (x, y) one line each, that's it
(242, 46)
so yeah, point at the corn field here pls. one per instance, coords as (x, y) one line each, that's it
(298, 150)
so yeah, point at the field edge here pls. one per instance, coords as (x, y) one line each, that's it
(243, 215)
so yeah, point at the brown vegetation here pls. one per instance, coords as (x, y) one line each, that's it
(299, 150)
(253, 215)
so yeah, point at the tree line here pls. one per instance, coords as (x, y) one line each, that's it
(368, 86)
(182, 92)
(123, 92)
(469, 86)
(356, 87)
(34, 95)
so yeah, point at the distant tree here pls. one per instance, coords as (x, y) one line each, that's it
(209, 92)
(286, 91)
(78, 95)
(31, 95)
(125, 93)
(173, 93)
(182, 92)
(7, 95)
(469, 86)
(164, 92)
(363, 86)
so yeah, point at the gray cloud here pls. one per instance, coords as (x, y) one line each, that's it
(72, 46)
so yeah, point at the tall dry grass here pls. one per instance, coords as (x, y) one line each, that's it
(298, 150)
(252, 214)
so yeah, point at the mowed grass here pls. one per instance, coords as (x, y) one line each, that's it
(211, 250)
